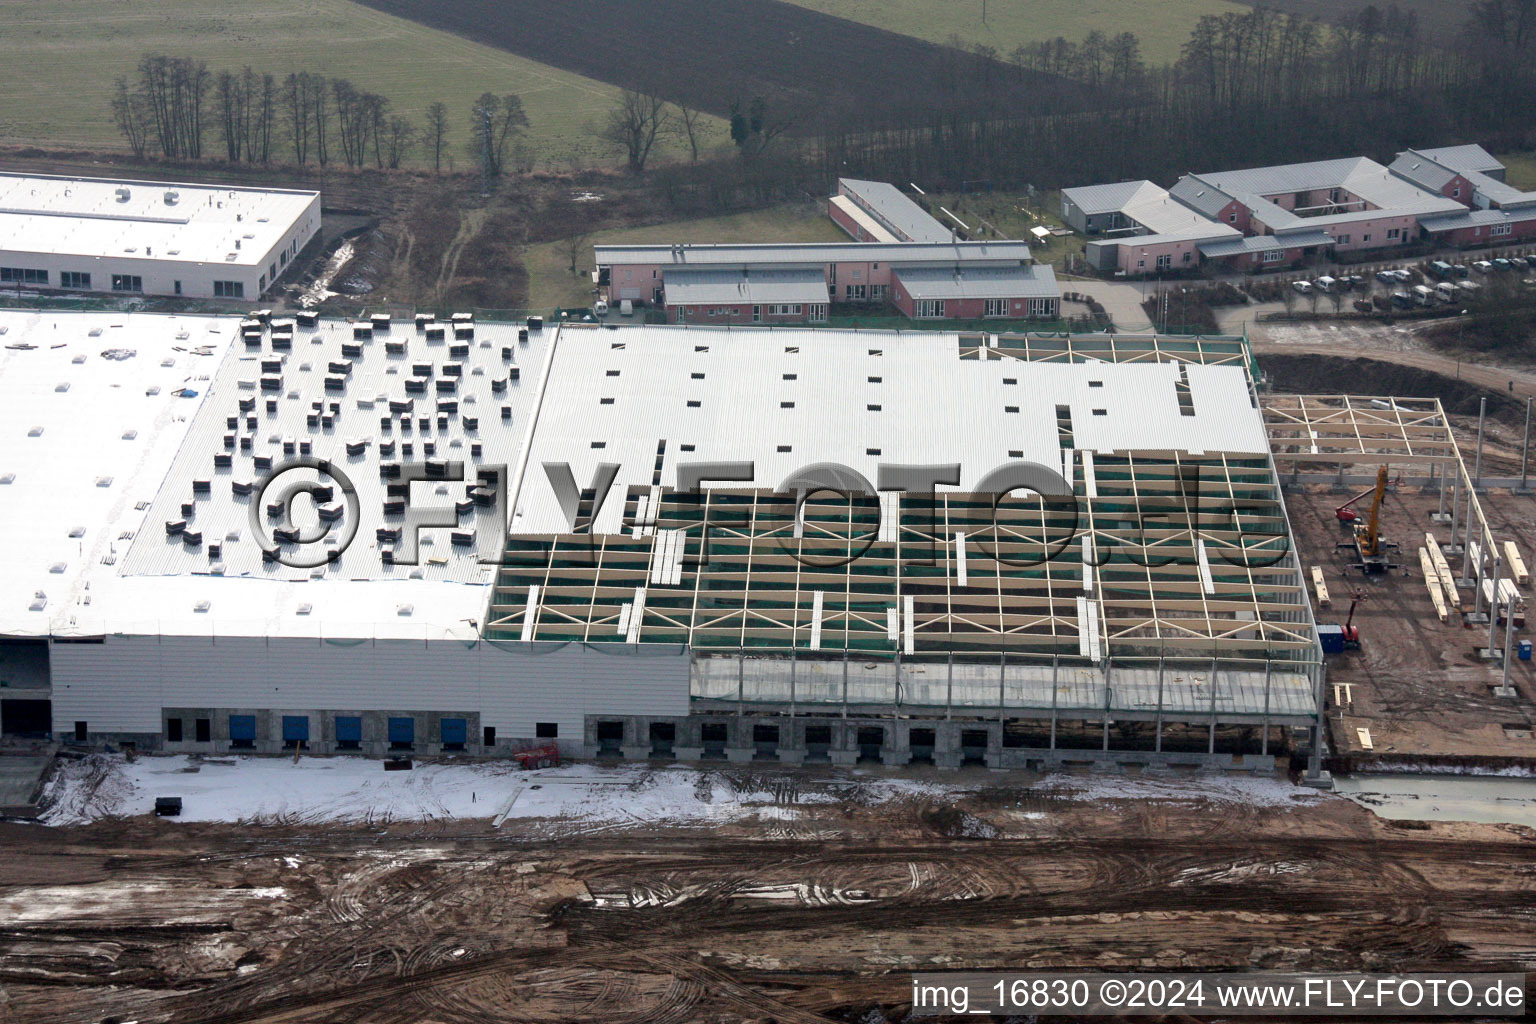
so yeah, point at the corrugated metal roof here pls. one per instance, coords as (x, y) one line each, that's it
(1265, 243)
(1421, 169)
(1200, 195)
(873, 229)
(795, 253)
(801, 285)
(1470, 157)
(786, 398)
(1112, 197)
(1035, 281)
(1476, 218)
(895, 210)
(1384, 191)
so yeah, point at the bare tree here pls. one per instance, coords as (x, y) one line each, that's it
(633, 124)
(320, 111)
(130, 115)
(493, 123)
(401, 135)
(689, 125)
(436, 133)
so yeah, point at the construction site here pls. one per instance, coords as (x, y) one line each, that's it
(833, 723)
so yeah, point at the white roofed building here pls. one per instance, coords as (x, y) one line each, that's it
(435, 537)
(149, 237)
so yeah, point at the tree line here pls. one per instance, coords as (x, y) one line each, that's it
(175, 108)
(1251, 87)
(1254, 87)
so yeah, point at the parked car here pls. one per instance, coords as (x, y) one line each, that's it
(1364, 306)
(1326, 283)
(1468, 288)
(1445, 291)
(1520, 262)
(1423, 295)
(626, 307)
(1401, 274)
(1441, 268)
(600, 308)
(1461, 270)
(1302, 286)
(1483, 267)
(1502, 264)
(1385, 276)
(1402, 300)
(1356, 281)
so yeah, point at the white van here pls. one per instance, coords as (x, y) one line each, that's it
(600, 308)
(626, 307)
(1302, 286)
(1423, 295)
(1445, 291)
(1326, 283)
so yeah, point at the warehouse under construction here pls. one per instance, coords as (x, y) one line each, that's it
(790, 545)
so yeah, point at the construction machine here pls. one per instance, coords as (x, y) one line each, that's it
(1337, 639)
(1366, 540)
(1347, 514)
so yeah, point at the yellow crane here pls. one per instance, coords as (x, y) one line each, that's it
(1367, 535)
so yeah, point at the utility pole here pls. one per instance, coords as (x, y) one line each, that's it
(1477, 473)
(1525, 450)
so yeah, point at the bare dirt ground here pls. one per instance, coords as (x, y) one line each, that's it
(822, 918)
(1416, 683)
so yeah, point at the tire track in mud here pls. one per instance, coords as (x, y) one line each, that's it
(402, 933)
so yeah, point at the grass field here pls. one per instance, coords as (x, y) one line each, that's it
(61, 58)
(1162, 26)
(1521, 169)
(551, 284)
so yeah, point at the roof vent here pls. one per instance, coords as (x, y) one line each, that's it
(304, 609)
(172, 197)
(122, 195)
(202, 606)
(404, 609)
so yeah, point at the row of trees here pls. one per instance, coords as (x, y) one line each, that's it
(173, 106)
(1257, 86)
(1254, 87)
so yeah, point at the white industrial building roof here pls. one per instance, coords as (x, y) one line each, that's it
(790, 398)
(791, 253)
(794, 284)
(108, 419)
(895, 210)
(1035, 281)
(150, 220)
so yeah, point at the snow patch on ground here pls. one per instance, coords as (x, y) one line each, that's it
(314, 789)
(1253, 791)
(581, 797)
(1511, 772)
